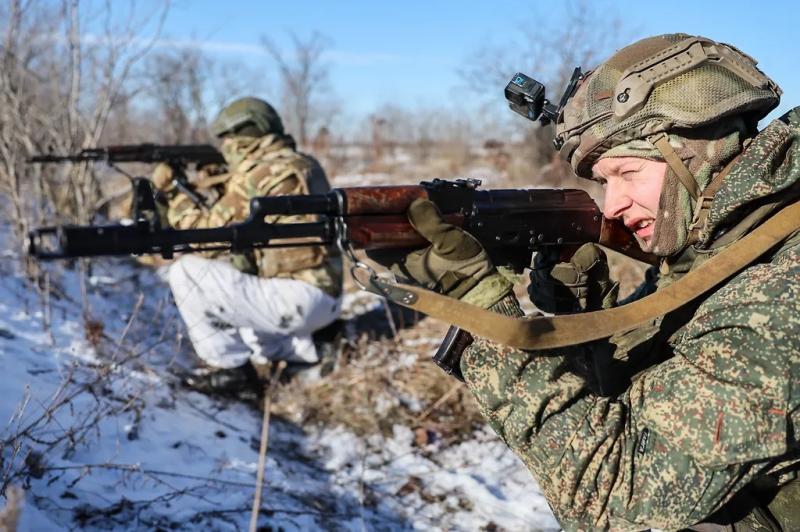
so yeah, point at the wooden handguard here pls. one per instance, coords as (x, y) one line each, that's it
(376, 216)
(381, 200)
(510, 224)
(389, 231)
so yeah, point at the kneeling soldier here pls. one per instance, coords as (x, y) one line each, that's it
(243, 310)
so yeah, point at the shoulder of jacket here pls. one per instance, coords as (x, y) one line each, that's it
(283, 156)
(792, 118)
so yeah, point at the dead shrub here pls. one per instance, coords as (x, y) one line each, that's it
(383, 382)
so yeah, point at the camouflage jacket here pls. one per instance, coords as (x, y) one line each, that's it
(708, 399)
(266, 166)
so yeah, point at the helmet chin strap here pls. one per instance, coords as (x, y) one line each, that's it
(672, 240)
(702, 200)
(661, 142)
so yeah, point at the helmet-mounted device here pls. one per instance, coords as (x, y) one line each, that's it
(651, 87)
(526, 96)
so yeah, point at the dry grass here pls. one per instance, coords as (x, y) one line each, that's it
(9, 515)
(383, 382)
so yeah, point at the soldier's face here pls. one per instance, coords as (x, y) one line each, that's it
(632, 190)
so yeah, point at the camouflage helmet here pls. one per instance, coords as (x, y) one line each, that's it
(658, 84)
(247, 111)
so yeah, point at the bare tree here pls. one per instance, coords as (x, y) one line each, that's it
(58, 88)
(548, 51)
(424, 140)
(178, 82)
(305, 84)
(390, 126)
(15, 96)
(230, 79)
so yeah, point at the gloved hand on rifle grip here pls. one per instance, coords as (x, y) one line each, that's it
(162, 177)
(455, 264)
(580, 285)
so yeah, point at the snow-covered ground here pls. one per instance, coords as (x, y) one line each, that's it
(99, 435)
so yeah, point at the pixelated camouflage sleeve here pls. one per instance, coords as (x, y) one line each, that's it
(684, 437)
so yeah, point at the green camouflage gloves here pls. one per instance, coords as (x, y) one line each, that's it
(454, 264)
(582, 284)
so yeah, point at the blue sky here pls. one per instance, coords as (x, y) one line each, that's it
(409, 52)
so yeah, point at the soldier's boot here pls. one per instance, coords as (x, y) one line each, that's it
(241, 382)
(330, 342)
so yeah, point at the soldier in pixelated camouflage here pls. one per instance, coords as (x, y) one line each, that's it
(690, 421)
(243, 310)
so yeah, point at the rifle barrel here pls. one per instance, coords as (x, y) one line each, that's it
(509, 224)
(69, 241)
(200, 154)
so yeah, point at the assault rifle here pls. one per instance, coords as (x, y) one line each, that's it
(177, 157)
(510, 224)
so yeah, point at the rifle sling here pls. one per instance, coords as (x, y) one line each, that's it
(540, 332)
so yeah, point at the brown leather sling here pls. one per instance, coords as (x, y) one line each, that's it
(540, 332)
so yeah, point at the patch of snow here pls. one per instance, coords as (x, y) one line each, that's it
(105, 438)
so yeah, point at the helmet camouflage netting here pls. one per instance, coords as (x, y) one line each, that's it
(659, 84)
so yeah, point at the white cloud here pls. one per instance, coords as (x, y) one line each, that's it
(337, 57)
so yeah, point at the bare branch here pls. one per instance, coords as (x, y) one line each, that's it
(305, 83)
(549, 52)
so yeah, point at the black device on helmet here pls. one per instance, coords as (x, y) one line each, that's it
(526, 96)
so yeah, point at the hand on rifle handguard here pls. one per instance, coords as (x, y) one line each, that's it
(454, 264)
(580, 285)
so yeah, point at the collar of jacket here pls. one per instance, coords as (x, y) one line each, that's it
(765, 178)
(265, 144)
(273, 142)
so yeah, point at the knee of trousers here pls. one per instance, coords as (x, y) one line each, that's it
(184, 271)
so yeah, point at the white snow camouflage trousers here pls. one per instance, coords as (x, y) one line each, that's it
(232, 316)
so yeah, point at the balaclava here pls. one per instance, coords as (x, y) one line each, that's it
(704, 152)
